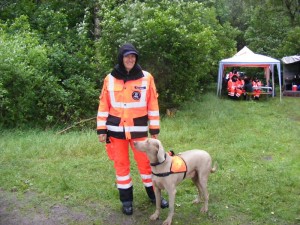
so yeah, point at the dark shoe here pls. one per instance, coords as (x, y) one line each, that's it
(127, 208)
(163, 203)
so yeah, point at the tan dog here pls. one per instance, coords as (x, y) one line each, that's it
(198, 164)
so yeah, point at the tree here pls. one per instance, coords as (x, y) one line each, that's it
(23, 63)
(55, 77)
(293, 11)
(55, 53)
(291, 43)
(266, 31)
(180, 43)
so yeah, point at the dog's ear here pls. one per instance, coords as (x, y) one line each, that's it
(160, 152)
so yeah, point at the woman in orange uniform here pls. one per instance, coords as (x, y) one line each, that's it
(128, 110)
(256, 88)
(233, 88)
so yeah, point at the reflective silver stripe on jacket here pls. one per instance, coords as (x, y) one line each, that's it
(141, 103)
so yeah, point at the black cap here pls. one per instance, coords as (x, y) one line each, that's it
(127, 49)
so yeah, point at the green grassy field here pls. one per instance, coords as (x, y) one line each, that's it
(256, 145)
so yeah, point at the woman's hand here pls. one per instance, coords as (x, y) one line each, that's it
(155, 136)
(102, 137)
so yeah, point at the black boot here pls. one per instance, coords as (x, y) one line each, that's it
(127, 208)
(163, 204)
(126, 197)
(150, 192)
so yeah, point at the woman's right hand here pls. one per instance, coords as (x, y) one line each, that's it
(102, 137)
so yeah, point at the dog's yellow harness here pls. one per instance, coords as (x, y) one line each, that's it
(178, 165)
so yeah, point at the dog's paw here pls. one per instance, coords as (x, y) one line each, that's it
(196, 201)
(154, 216)
(204, 209)
(168, 221)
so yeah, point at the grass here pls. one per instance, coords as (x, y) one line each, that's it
(256, 145)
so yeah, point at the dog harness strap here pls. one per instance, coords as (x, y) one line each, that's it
(178, 165)
(162, 174)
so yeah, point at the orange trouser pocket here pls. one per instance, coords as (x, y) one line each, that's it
(109, 150)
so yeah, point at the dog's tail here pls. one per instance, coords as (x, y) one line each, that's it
(214, 168)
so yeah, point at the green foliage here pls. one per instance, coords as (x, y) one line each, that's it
(262, 24)
(22, 64)
(291, 43)
(11, 9)
(52, 62)
(48, 83)
(267, 28)
(180, 43)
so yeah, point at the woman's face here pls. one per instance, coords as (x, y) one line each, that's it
(129, 61)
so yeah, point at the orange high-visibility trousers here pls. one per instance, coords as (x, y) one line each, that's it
(120, 156)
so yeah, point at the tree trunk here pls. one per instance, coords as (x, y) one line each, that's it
(97, 29)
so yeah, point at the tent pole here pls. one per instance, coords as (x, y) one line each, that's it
(279, 77)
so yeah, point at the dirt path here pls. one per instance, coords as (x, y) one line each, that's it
(32, 210)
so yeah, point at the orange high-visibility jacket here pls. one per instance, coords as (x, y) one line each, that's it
(256, 85)
(240, 85)
(128, 109)
(256, 88)
(231, 87)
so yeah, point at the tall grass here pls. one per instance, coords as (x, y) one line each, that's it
(256, 145)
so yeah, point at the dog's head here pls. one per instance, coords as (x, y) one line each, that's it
(153, 149)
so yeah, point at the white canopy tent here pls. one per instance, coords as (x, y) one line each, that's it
(246, 58)
(291, 59)
(291, 75)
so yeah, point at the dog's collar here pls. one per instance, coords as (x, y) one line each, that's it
(158, 163)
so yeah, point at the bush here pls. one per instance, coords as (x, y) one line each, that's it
(44, 84)
(180, 43)
(50, 68)
(22, 66)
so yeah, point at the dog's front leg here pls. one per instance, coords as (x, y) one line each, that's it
(157, 192)
(172, 193)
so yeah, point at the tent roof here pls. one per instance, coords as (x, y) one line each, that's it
(246, 58)
(291, 59)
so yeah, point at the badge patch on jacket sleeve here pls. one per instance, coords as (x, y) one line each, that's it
(136, 95)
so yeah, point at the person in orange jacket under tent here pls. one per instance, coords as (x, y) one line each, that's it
(232, 73)
(127, 104)
(240, 83)
(233, 87)
(256, 84)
